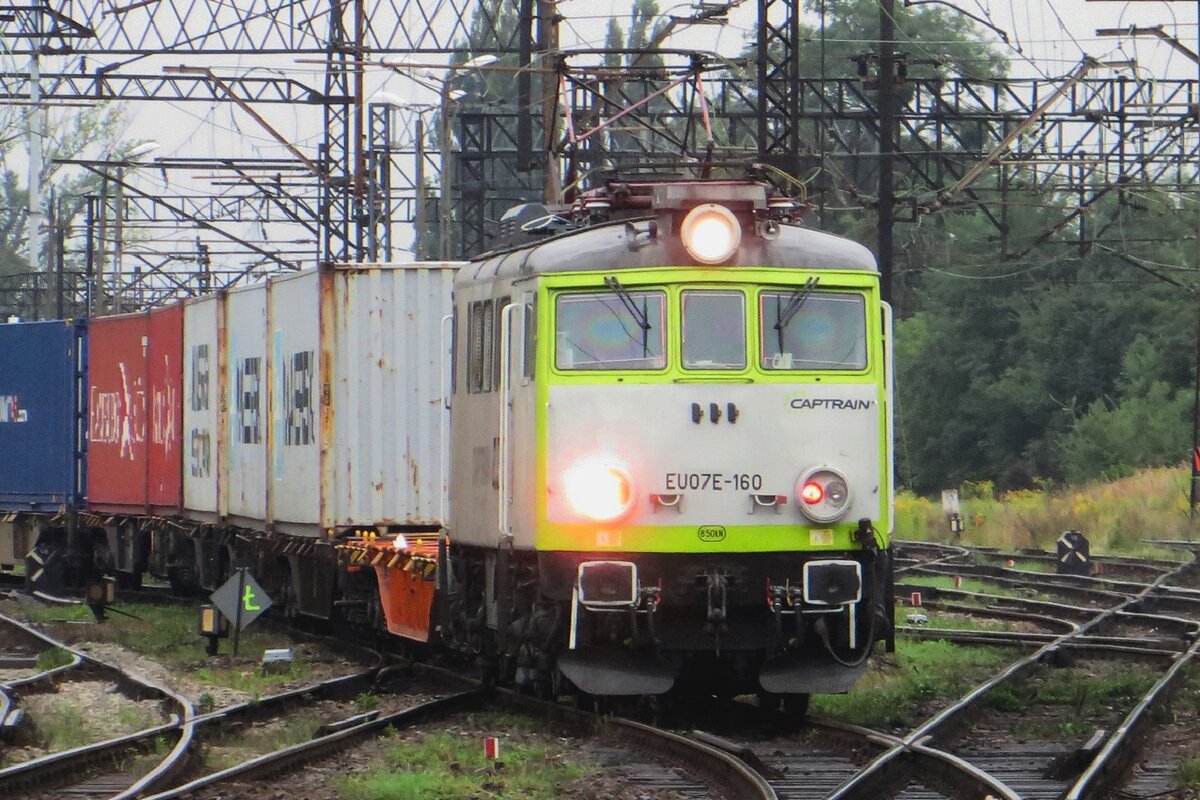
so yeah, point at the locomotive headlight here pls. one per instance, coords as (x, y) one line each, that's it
(823, 494)
(599, 490)
(710, 233)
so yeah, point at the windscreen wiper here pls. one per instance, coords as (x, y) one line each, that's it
(784, 314)
(640, 316)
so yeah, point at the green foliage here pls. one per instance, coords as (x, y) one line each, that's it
(1188, 774)
(63, 729)
(366, 702)
(443, 766)
(53, 658)
(1115, 516)
(891, 695)
(1042, 368)
(96, 130)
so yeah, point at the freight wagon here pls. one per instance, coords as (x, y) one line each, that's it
(301, 407)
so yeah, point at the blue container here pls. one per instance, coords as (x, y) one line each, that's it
(41, 403)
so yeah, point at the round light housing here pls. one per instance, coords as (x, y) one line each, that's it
(711, 233)
(600, 491)
(823, 494)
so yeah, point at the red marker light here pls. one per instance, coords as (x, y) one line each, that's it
(812, 493)
(599, 491)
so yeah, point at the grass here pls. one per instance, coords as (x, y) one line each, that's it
(892, 694)
(955, 622)
(1187, 776)
(52, 658)
(169, 634)
(233, 751)
(968, 584)
(449, 766)
(1083, 697)
(366, 702)
(1115, 516)
(245, 676)
(63, 729)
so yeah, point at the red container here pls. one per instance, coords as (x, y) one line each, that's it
(118, 418)
(165, 372)
(135, 412)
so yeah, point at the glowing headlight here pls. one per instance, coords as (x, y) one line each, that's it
(823, 494)
(600, 491)
(710, 233)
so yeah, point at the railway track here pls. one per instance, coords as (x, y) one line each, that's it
(94, 760)
(1145, 616)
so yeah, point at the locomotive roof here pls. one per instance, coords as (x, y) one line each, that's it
(627, 245)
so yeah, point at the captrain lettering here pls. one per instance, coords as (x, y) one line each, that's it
(832, 403)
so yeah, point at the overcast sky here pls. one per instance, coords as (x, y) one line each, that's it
(1046, 39)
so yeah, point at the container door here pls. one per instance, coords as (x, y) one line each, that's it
(165, 373)
(246, 387)
(118, 414)
(295, 451)
(202, 321)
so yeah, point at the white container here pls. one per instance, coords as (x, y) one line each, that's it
(386, 463)
(335, 386)
(245, 382)
(203, 323)
(294, 367)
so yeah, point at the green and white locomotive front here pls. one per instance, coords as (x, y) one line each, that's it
(709, 438)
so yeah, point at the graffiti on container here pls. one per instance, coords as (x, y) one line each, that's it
(199, 439)
(249, 394)
(200, 378)
(164, 414)
(10, 409)
(298, 399)
(201, 453)
(119, 417)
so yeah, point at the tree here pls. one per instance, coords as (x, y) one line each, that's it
(1050, 366)
(96, 130)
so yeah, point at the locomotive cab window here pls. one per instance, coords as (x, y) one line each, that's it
(714, 329)
(800, 329)
(610, 330)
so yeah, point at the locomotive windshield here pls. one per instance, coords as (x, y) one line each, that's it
(600, 330)
(714, 329)
(827, 332)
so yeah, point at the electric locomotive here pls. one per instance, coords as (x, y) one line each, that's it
(671, 460)
(669, 447)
